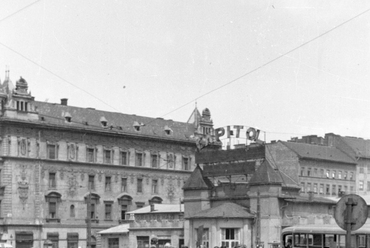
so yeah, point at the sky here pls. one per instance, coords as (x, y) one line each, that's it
(289, 68)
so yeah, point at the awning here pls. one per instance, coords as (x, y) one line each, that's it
(117, 229)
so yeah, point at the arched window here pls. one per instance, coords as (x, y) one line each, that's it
(72, 213)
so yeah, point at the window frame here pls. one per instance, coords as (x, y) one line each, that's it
(108, 208)
(52, 148)
(139, 159)
(91, 154)
(52, 180)
(124, 154)
(154, 186)
(108, 184)
(139, 186)
(227, 241)
(107, 159)
(154, 160)
(186, 163)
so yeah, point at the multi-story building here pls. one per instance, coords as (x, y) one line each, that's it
(68, 172)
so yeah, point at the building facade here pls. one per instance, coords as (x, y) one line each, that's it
(69, 172)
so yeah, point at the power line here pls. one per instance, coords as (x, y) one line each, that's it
(269, 62)
(19, 11)
(56, 75)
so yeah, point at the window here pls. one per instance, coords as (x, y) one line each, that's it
(52, 200)
(321, 190)
(72, 212)
(72, 240)
(54, 238)
(113, 242)
(154, 160)
(334, 189)
(154, 186)
(361, 185)
(315, 188)
(361, 169)
(302, 171)
(345, 188)
(52, 180)
(339, 189)
(107, 156)
(303, 187)
(170, 161)
(327, 190)
(327, 173)
(52, 210)
(91, 182)
(90, 155)
(345, 175)
(108, 211)
(108, 183)
(308, 172)
(22, 106)
(205, 237)
(139, 159)
(351, 176)
(368, 186)
(139, 185)
(229, 237)
(123, 212)
(333, 174)
(51, 151)
(123, 184)
(339, 174)
(140, 204)
(92, 211)
(315, 172)
(308, 187)
(124, 158)
(185, 163)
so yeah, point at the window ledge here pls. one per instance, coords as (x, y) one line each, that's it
(52, 220)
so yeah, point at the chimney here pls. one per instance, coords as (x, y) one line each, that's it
(64, 101)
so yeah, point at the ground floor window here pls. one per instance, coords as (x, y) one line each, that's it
(72, 240)
(113, 243)
(230, 237)
(142, 241)
(24, 239)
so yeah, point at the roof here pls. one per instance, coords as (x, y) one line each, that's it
(225, 211)
(266, 174)
(117, 229)
(306, 199)
(320, 152)
(159, 208)
(360, 146)
(197, 180)
(89, 118)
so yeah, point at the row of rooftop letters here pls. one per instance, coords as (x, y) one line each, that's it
(333, 174)
(63, 151)
(123, 186)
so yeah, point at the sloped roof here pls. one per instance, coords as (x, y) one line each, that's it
(116, 122)
(116, 229)
(197, 180)
(320, 152)
(306, 199)
(267, 174)
(225, 211)
(160, 208)
(360, 146)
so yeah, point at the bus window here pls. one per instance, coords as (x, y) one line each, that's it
(300, 240)
(286, 238)
(317, 240)
(341, 241)
(329, 241)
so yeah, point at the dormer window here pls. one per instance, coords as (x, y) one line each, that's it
(103, 121)
(68, 117)
(137, 125)
(167, 130)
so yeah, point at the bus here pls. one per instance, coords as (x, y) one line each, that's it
(324, 236)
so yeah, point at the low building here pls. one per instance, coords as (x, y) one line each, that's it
(158, 225)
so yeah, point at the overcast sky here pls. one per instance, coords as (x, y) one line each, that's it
(152, 57)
